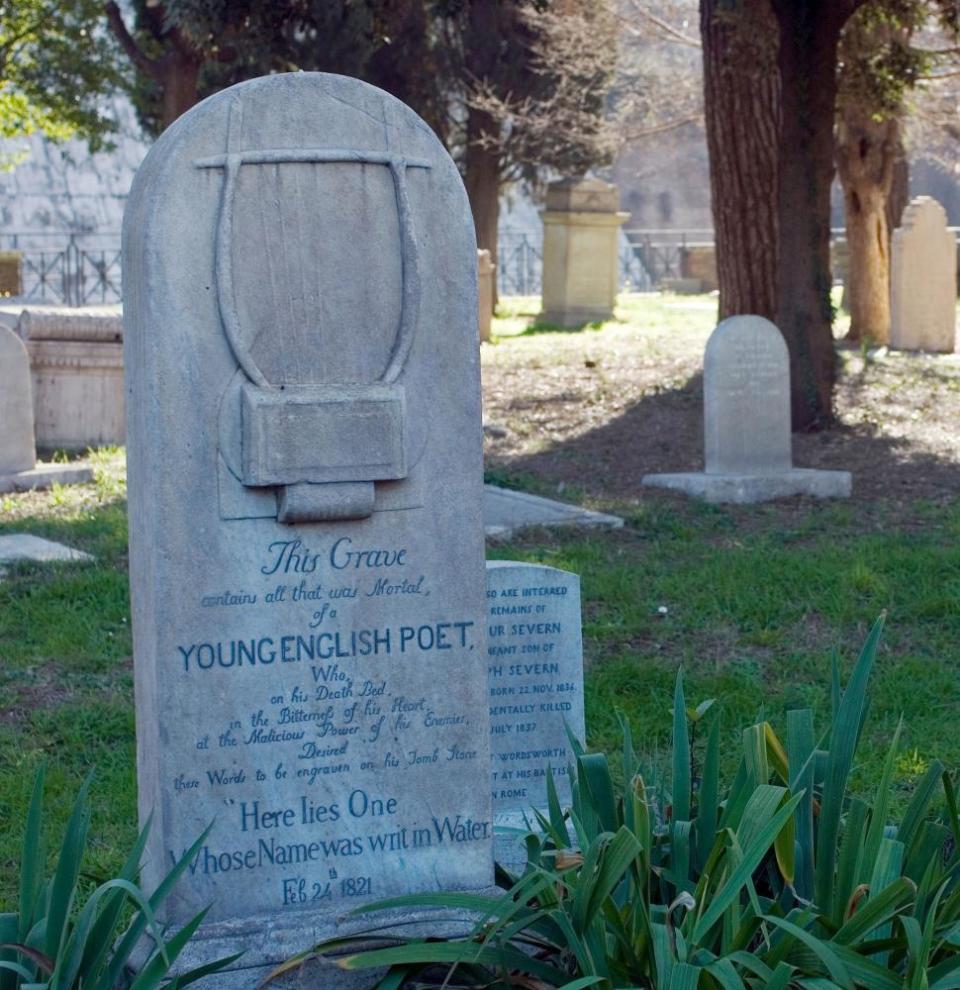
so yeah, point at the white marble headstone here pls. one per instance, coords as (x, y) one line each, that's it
(746, 398)
(923, 280)
(535, 683)
(307, 552)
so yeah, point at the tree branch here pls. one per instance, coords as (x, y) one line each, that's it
(668, 29)
(136, 55)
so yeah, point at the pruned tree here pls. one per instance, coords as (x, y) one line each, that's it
(881, 63)
(530, 85)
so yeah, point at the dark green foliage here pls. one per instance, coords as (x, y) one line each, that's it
(65, 936)
(782, 879)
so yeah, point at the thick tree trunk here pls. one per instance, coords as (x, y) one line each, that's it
(742, 100)
(867, 150)
(899, 194)
(482, 180)
(809, 31)
(179, 76)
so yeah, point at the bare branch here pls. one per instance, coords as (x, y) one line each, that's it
(664, 26)
(136, 55)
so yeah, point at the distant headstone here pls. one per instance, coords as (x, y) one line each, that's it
(18, 454)
(746, 413)
(535, 679)
(306, 540)
(923, 280)
(581, 259)
(26, 546)
(76, 360)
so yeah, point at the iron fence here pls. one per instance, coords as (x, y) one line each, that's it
(67, 269)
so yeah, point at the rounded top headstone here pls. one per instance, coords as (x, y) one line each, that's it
(17, 445)
(746, 394)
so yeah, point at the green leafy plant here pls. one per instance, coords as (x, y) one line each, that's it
(783, 879)
(64, 938)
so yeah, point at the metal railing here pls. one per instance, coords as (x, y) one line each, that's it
(67, 269)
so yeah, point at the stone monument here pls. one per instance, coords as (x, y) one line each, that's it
(535, 678)
(19, 470)
(76, 361)
(923, 280)
(746, 423)
(581, 258)
(305, 490)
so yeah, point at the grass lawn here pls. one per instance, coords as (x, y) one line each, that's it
(752, 602)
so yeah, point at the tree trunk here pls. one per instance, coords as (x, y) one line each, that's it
(809, 32)
(867, 150)
(899, 194)
(742, 102)
(179, 73)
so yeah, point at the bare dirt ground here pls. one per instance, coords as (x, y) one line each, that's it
(590, 412)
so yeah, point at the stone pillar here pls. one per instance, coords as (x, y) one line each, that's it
(484, 292)
(923, 280)
(581, 264)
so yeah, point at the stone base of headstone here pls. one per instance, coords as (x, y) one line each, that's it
(683, 286)
(745, 489)
(268, 941)
(45, 476)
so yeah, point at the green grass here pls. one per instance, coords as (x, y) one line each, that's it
(757, 602)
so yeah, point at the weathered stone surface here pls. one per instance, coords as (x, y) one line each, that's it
(923, 280)
(507, 512)
(746, 398)
(45, 476)
(581, 263)
(17, 449)
(25, 546)
(746, 423)
(485, 293)
(535, 678)
(76, 362)
(316, 687)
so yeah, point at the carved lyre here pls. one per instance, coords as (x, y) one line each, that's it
(321, 446)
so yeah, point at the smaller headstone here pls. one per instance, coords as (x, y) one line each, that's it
(535, 682)
(18, 453)
(485, 293)
(923, 280)
(746, 413)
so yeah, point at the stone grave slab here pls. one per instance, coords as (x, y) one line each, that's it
(26, 546)
(305, 492)
(746, 423)
(18, 454)
(507, 512)
(535, 681)
(923, 280)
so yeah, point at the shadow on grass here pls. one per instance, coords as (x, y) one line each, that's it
(663, 432)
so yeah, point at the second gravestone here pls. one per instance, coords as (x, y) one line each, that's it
(535, 676)
(746, 423)
(307, 552)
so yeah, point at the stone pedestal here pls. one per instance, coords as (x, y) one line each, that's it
(923, 280)
(746, 423)
(484, 292)
(19, 470)
(76, 362)
(581, 264)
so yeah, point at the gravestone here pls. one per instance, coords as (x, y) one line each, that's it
(535, 680)
(19, 470)
(923, 280)
(305, 488)
(581, 258)
(746, 414)
(76, 360)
